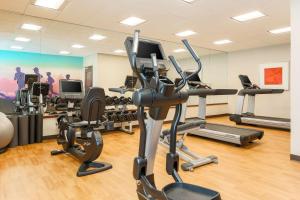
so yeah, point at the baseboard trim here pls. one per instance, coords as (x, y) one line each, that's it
(49, 137)
(218, 115)
(295, 157)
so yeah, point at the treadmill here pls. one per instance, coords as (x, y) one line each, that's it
(249, 117)
(230, 134)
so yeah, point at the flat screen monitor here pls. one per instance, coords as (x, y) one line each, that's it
(130, 82)
(30, 79)
(40, 88)
(71, 89)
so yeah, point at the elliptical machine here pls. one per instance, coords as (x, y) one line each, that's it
(158, 93)
(88, 145)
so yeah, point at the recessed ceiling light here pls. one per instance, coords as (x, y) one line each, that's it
(97, 37)
(188, 1)
(220, 42)
(281, 30)
(132, 21)
(179, 50)
(22, 39)
(119, 51)
(64, 52)
(53, 4)
(32, 27)
(249, 16)
(78, 46)
(16, 47)
(186, 33)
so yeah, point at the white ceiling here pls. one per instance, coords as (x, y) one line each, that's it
(209, 18)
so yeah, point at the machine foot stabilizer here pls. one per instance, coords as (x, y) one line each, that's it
(190, 166)
(89, 168)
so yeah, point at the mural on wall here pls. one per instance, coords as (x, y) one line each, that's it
(274, 75)
(49, 68)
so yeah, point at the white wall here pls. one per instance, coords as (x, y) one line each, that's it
(114, 70)
(247, 62)
(295, 72)
(108, 70)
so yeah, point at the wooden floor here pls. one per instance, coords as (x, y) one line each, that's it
(261, 171)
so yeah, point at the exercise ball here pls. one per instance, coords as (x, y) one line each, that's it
(6, 132)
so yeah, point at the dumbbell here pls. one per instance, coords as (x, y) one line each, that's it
(116, 100)
(129, 100)
(122, 100)
(122, 116)
(108, 116)
(134, 114)
(128, 116)
(115, 117)
(108, 100)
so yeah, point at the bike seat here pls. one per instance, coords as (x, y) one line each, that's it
(184, 191)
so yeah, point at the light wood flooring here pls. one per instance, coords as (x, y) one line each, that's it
(262, 171)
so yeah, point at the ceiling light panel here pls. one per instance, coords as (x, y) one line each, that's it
(189, 1)
(221, 42)
(281, 30)
(16, 47)
(97, 37)
(53, 4)
(64, 52)
(132, 21)
(249, 16)
(22, 39)
(31, 27)
(78, 46)
(179, 50)
(186, 33)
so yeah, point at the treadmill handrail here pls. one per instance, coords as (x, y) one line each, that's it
(211, 92)
(253, 92)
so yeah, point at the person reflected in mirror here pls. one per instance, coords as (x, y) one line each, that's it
(36, 70)
(68, 76)
(50, 81)
(20, 78)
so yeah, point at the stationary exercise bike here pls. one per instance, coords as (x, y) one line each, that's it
(88, 145)
(158, 94)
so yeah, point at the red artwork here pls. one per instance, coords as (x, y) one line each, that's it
(273, 76)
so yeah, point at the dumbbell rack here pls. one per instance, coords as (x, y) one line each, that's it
(119, 115)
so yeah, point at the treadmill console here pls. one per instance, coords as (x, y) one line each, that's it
(30, 79)
(40, 88)
(245, 81)
(130, 82)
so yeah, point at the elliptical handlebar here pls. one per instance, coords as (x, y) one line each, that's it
(135, 47)
(179, 71)
(195, 56)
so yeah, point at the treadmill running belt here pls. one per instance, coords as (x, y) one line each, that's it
(267, 118)
(231, 134)
(233, 130)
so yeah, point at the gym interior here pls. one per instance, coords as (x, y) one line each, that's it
(149, 100)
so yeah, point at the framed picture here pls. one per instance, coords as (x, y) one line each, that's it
(274, 75)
